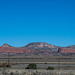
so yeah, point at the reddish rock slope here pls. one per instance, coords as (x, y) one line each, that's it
(37, 48)
(15, 50)
(66, 50)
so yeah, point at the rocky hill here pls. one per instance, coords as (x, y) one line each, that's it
(5, 48)
(6, 45)
(41, 48)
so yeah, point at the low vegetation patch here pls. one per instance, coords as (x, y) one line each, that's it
(50, 68)
(5, 65)
(31, 66)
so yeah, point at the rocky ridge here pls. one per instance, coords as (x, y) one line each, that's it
(37, 48)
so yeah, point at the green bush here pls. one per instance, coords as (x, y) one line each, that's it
(50, 68)
(31, 66)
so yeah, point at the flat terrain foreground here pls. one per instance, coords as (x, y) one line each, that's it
(35, 72)
(43, 62)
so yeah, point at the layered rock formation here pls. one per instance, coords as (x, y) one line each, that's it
(37, 48)
(66, 50)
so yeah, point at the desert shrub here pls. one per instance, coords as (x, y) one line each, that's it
(8, 65)
(31, 66)
(5, 65)
(50, 68)
(11, 73)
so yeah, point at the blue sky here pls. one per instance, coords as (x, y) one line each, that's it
(26, 21)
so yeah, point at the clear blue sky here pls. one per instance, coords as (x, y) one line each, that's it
(26, 21)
